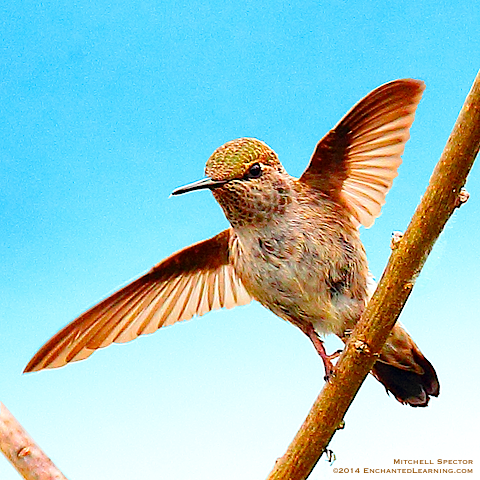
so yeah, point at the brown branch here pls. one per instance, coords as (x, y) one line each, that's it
(440, 200)
(22, 452)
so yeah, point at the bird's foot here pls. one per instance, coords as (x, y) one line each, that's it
(327, 359)
(327, 363)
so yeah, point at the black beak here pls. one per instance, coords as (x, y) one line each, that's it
(201, 184)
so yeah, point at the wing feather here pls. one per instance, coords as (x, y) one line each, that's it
(191, 282)
(357, 161)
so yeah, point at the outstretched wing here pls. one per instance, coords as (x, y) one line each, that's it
(190, 282)
(357, 161)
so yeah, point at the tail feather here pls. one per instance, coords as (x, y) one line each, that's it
(405, 372)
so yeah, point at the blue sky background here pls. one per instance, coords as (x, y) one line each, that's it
(105, 109)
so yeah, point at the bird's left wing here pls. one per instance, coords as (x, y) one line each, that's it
(190, 282)
(356, 162)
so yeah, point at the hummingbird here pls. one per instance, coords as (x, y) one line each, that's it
(293, 245)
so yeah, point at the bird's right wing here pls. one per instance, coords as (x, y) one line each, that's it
(190, 282)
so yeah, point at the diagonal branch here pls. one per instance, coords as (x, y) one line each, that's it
(438, 203)
(22, 452)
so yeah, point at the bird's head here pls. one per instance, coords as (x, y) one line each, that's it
(247, 180)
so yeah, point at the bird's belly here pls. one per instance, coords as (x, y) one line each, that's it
(298, 292)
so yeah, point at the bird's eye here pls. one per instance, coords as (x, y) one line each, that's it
(254, 171)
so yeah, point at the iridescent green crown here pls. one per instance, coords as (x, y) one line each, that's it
(234, 158)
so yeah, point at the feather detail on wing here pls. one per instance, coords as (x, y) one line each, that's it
(191, 282)
(358, 160)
